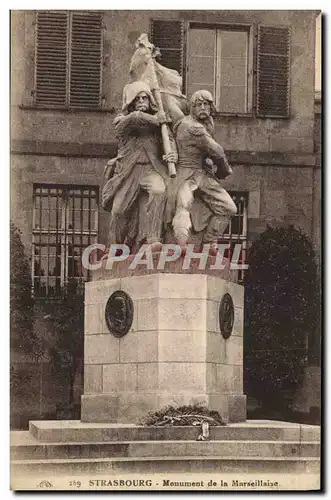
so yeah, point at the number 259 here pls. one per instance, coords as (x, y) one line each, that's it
(75, 483)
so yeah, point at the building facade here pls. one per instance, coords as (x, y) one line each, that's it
(68, 69)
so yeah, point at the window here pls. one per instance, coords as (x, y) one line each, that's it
(218, 62)
(220, 59)
(236, 232)
(68, 59)
(65, 222)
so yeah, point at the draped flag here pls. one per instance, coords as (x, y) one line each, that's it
(168, 81)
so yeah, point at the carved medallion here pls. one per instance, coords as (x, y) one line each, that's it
(226, 315)
(119, 313)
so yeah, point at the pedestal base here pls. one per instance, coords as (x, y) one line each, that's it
(131, 407)
(174, 353)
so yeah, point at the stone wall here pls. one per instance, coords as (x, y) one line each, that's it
(278, 195)
(122, 28)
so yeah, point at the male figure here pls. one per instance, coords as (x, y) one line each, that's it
(201, 165)
(134, 190)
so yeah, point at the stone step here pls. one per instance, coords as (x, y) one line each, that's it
(226, 448)
(77, 431)
(170, 464)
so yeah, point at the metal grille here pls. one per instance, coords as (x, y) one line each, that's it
(65, 222)
(273, 71)
(168, 37)
(236, 232)
(68, 59)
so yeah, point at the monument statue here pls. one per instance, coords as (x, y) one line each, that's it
(166, 83)
(134, 190)
(150, 198)
(201, 165)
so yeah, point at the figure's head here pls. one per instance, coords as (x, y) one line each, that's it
(119, 312)
(202, 105)
(142, 102)
(137, 96)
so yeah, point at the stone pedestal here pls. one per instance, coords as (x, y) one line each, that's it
(173, 354)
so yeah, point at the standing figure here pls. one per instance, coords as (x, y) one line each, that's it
(201, 165)
(134, 190)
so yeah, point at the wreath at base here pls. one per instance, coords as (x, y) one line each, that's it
(182, 416)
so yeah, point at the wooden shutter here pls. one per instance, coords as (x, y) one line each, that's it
(168, 37)
(273, 71)
(51, 59)
(85, 59)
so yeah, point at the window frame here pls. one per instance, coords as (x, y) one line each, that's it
(68, 106)
(249, 28)
(62, 232)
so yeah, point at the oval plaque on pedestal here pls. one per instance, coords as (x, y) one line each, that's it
(119, 313)
(226, 315)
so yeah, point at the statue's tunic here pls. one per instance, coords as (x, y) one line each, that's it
(136, 169)
(195, 144)
(212, 205)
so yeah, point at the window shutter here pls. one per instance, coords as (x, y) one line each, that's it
(85, 59)
(51, 59)
(273, 71)
(168, 36)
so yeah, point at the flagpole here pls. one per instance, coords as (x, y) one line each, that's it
(164, 127)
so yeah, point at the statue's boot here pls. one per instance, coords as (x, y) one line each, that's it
(156, 246)
(213, 248)
(215, 229)
(181, 225)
